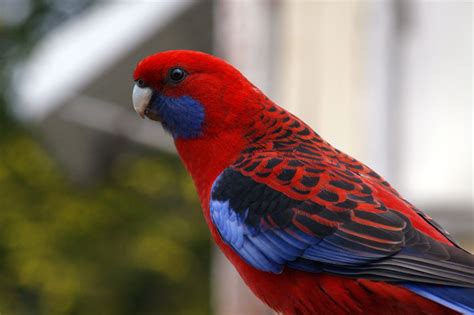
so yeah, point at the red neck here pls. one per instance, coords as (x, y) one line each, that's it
(205, 159)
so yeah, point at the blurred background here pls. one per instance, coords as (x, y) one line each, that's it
(97, 214)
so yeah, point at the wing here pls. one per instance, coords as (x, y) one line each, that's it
(280, 141)
(283, 212)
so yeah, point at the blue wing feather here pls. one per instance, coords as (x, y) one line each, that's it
(270, 239)
(256, 250)
(456, 298)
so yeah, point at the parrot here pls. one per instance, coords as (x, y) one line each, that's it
(309, 229)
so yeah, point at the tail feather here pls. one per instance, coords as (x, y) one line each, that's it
(456, 298)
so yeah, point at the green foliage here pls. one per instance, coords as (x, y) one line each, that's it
(135, 244)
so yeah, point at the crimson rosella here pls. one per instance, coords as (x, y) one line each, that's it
(310, 229)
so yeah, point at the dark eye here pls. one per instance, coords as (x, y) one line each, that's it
(141, 83)
(177, 75)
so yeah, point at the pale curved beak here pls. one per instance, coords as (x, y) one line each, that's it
(141, 98)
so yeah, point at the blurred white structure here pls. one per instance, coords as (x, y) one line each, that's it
(87, 46)
(76, 86)
(389, 82)
(436, 103)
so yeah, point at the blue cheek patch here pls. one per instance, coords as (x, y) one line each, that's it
(182, 116)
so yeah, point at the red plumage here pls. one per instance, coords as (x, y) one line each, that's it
(243, 130)
(298, 292)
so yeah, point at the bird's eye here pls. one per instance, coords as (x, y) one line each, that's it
(141, 83)
(177, 75)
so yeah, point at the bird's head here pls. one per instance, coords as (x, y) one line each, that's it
(192, 94)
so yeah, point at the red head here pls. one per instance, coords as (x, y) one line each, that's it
(193, 94)
(205, 103)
